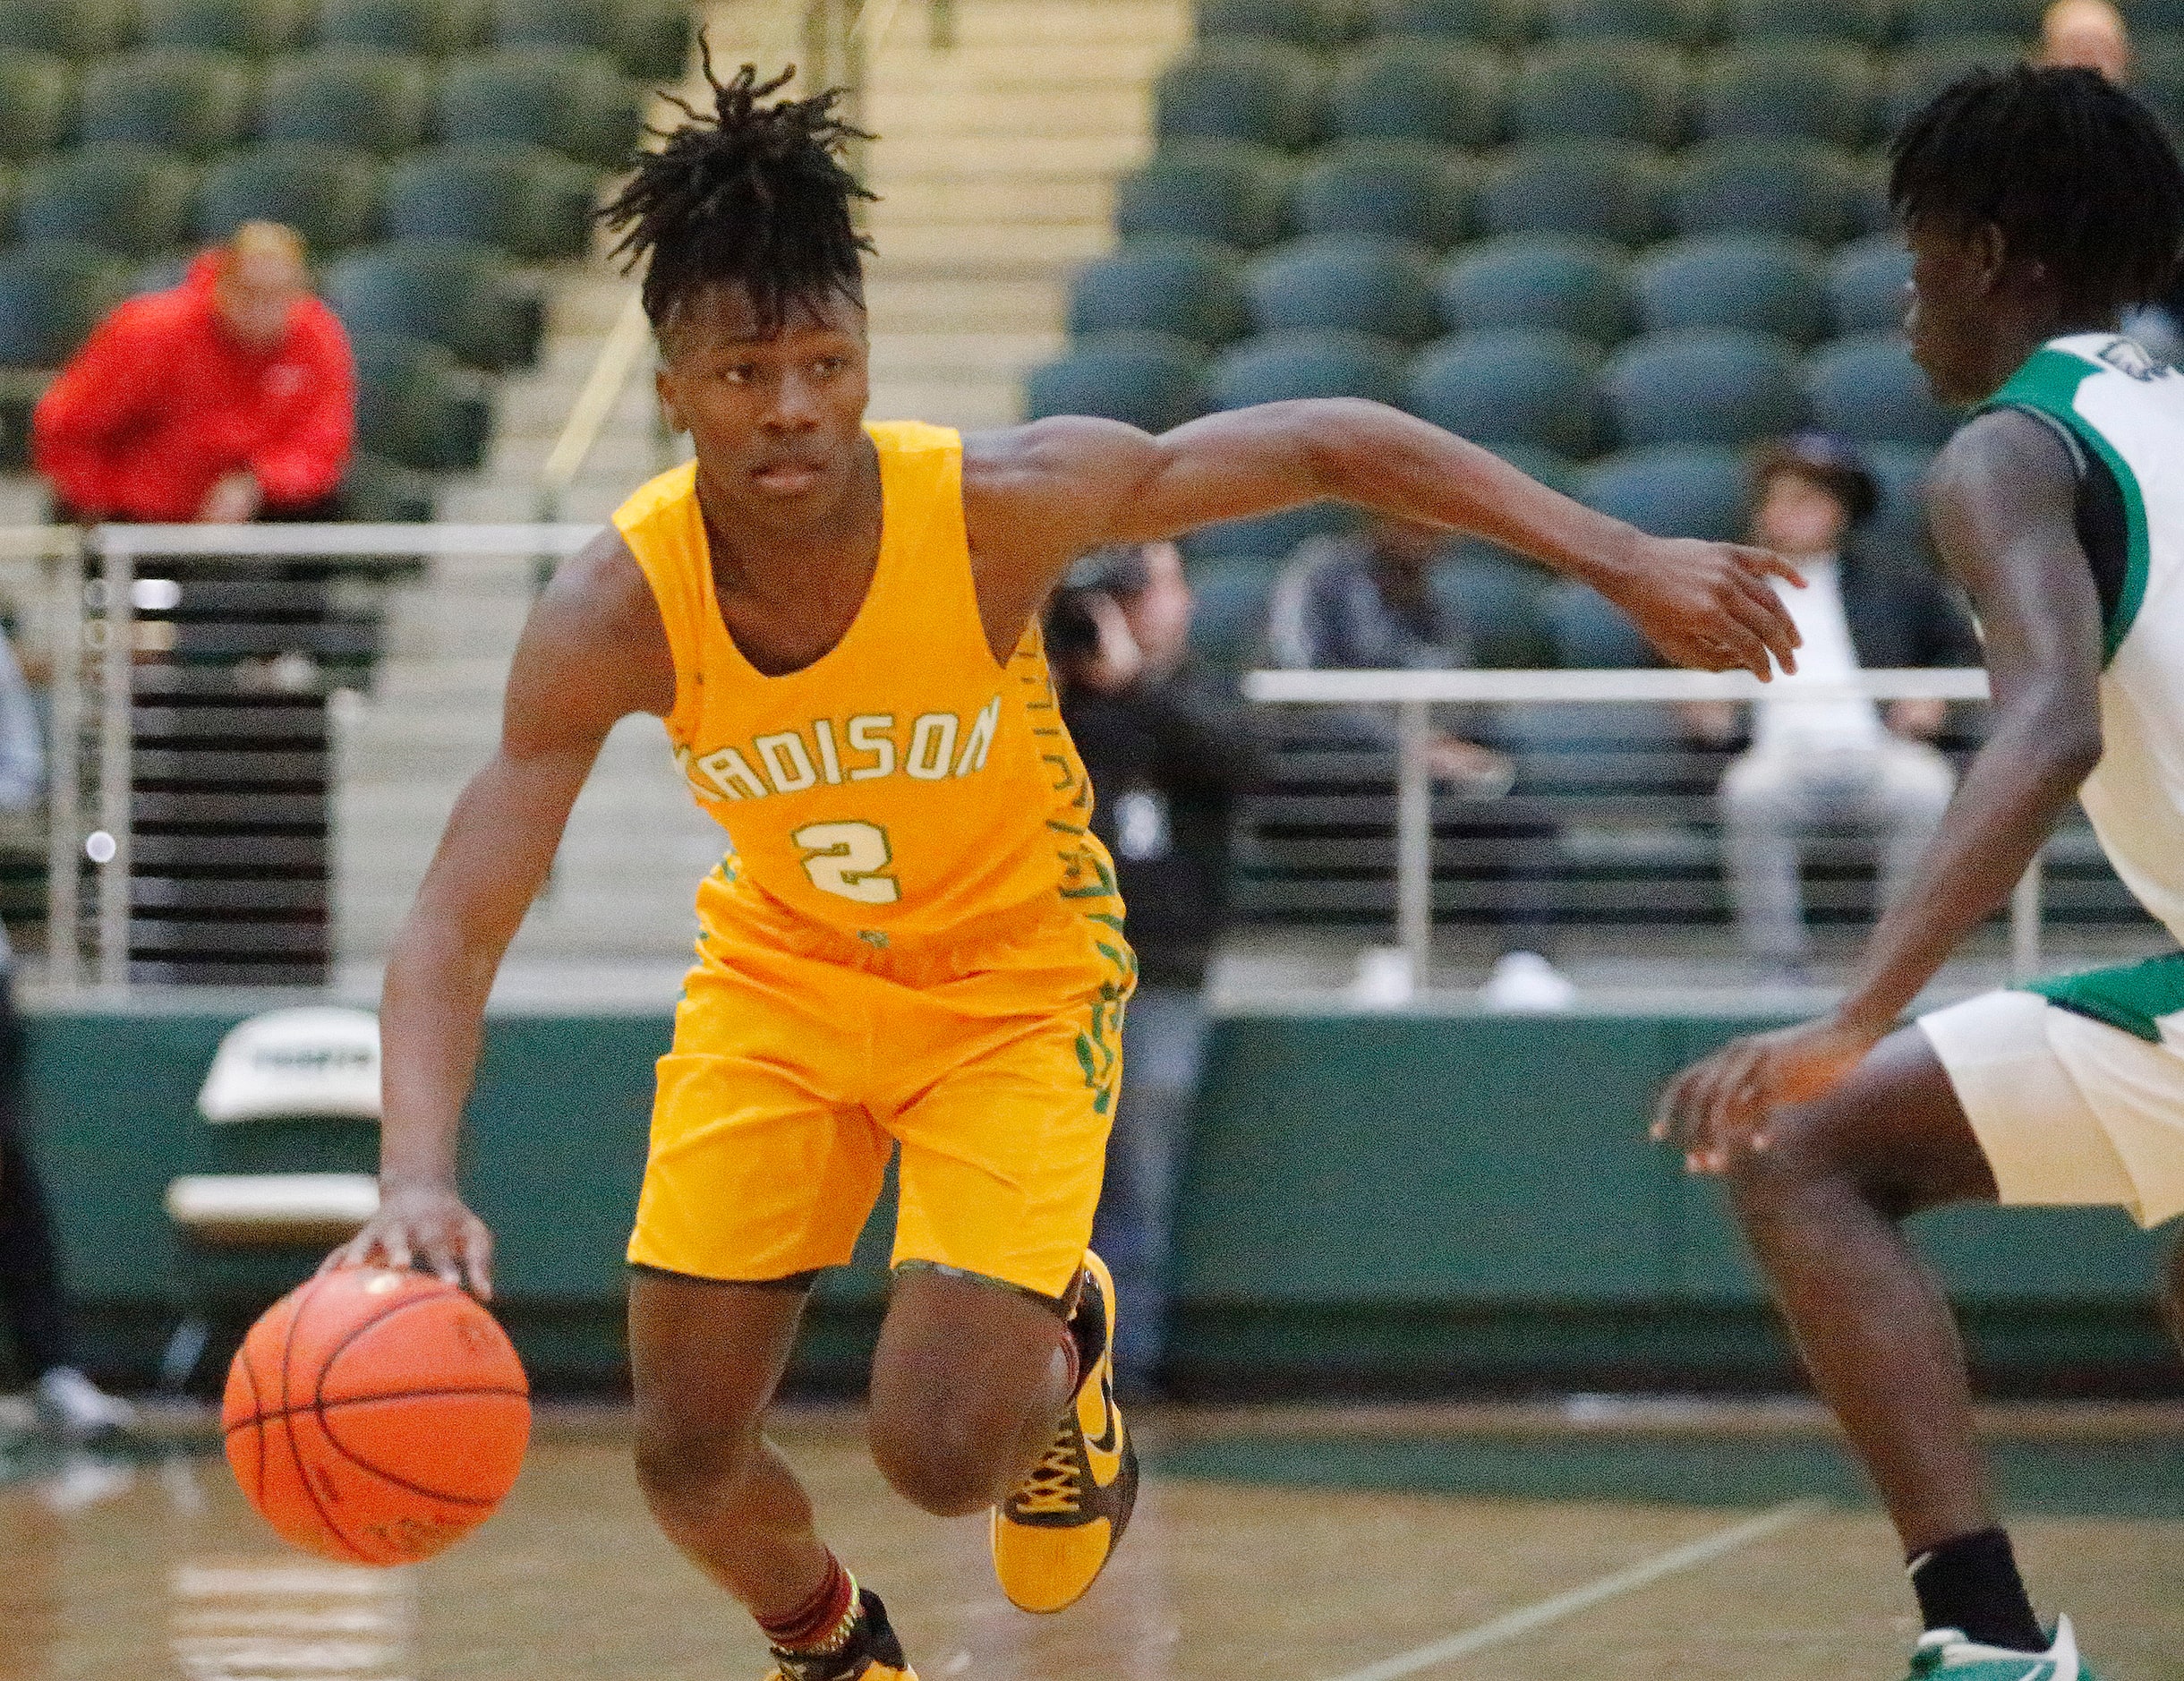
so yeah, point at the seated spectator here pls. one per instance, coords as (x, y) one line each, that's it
(2089, 33)
(231, 397)
(1836, 763)
(1366, 603)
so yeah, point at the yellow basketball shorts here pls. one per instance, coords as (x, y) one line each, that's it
(802, 1058)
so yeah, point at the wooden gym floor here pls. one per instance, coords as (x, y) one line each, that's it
(1586, 1542)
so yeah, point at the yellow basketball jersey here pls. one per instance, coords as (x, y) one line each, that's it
(904, 786)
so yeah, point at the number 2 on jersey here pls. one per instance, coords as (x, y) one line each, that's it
(849, 858)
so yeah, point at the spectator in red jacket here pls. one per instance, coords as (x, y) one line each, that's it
(231, 397)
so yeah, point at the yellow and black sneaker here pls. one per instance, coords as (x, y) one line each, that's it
(1057, 1529)
(873, 1653)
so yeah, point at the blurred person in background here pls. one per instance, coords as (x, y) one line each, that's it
(1365, 601)
(1814, 765)
(230, 397)
(1167, 747)
(2090, 34)
(69, 1404)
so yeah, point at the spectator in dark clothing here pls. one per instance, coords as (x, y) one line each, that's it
(1366, 603)
(1167, 748)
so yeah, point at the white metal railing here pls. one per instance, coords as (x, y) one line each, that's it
(1413, 694)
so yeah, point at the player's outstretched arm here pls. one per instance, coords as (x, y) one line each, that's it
(1063, 486)
(2004, 501)
(592, 653)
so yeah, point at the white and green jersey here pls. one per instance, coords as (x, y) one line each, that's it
(2122, 414)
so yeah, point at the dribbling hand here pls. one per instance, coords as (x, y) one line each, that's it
(426, 1224)
(1709, 605)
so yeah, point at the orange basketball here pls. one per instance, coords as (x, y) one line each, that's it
(375, 1417)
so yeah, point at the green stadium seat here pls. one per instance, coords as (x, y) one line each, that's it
(1387, 189)
(1868, 388)
(533, 204)
(253, 28)
(1711, 385)
(1609, 188)
(1937, 20)
(1865, 284)
(1266, 92)
(348, 96)
(1673, 490)
(1225, 191)
(375, 490)
(1922, 71)
(1760, 281)
(1587, 632)
(432, 29)
(2158, 72)
(1570, 282)
(1228, 611)
(1821, 91)
(1557, 473)
(1501, 603)
(38, 102)
(1327, 363)
(132, 200)
(1492, 22)
(650, 40)
(1674, 23)
(1870, 212)
(464, 297)
(80, 29)
(1420, 90)
(1600, 91)
(332, 196)
(566, 100)
(195, 103)
(1187, 288)
(1898, 527)
(52, 294)
(1321, 25)
(1268, 540)
(1346, 283)
(1799, 187)
(416, 407)
(1145, 380)
(1860, 23)
(1512, 385)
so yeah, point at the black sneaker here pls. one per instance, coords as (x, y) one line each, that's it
(873, 1653)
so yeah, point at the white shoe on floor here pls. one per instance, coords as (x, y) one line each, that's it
(1524, 982)
(1945, 1654)
(77, 1410)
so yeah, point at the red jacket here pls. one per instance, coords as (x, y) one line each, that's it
(162, 401)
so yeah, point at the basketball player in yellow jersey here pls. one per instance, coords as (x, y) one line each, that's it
(914, 942)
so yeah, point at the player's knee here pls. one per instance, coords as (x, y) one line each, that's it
(685, 1463)
(945, 1461)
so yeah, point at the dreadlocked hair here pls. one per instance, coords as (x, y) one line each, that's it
(753, 195)
(2077, 174)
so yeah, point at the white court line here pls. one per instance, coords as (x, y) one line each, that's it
(1523, 1620)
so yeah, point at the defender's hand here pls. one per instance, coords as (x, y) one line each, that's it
(1726, 1102)
(1709, 605)
(428, 1224)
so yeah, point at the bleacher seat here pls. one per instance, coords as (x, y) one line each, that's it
(1262, 92)
(1760, 281)
(1870, 214)
(1672, 489)
(348, 96)
(1512, 385)
(1867, 281)
(1609, 188)
(1868, 388)
(1557, 473)
(80, 29)
(1346, 282)
(1566, 281)
(2158, 75)
(1228, 613)
(1600, 91)
(134, 200)
(568, 100)
(1919, 72)
(1860, 23)
(1494, 22)
(650, 40)
(1677, 22)
(1188, 288)
(433, 28)
(1328, 362)
(196, 103)
(1270, 539)
(1418, 90)
(463, 296)
(1321, 25)
(1587, 632)
(1937, 20)
(533, 204)
(1804, 89)
(416, 407)
(52, 294)
(254, 28)
(1704, 386)
(38, 102)
(331, 195)
(1149, 379)
(1799, 187)
(1899, 526)
(1501, 603)
(1226, 191)
(1387, 189)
